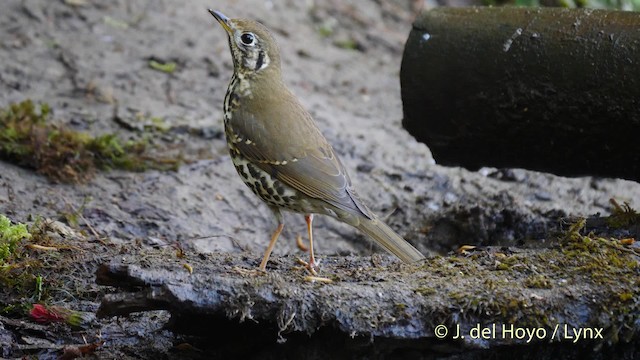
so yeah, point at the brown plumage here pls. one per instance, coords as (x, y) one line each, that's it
(279, 151)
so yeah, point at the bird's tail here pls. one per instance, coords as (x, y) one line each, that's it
(388, 239)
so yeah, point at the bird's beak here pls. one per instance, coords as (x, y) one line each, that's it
(223, 20)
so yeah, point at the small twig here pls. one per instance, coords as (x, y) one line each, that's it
(79, 213)
(42, 247)
(318, 279)
(93, 231)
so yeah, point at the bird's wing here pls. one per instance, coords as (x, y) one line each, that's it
(304, 160)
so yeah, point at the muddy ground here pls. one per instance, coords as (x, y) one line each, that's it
(90, 61)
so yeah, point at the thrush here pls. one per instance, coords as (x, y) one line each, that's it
(278, 150)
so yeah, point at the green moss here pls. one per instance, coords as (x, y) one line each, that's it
(622, 216)
(165, 67)
(626, 296)
(496, 285)
(10, 236)
(36, 268)
(348, 44)
(64, 155)
(17, 278)
(425, 291)
(158, 123)
(325, 30)
(508, 263)
(538, 282)
(600, 257)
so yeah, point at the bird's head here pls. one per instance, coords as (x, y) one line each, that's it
(253, 48)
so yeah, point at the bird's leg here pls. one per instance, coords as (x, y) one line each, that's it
(311, 265)
(312, 261)
(274, 238)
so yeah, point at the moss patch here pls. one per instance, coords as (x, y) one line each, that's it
(64, 155)
(10, 236)
(41, 264)
(622, 216)
(19, 276)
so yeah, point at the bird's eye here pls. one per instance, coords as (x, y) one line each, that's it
(248, 38)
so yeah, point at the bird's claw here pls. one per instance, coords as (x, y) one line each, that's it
(309, 266)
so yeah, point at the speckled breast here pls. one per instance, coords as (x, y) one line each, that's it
(271, 190)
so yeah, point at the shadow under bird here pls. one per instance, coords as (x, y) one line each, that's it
(278, 150)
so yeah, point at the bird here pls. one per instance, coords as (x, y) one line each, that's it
(279, 151)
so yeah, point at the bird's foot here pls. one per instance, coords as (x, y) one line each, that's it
(309, 266)
(300, 244)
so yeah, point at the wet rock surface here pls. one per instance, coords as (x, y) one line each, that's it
(485, 298)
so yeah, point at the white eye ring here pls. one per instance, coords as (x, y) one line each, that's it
(248, 39)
